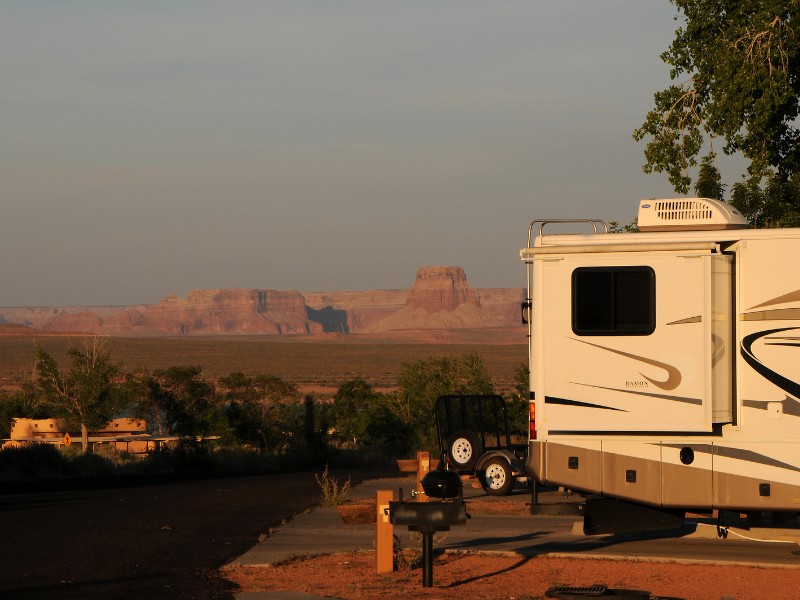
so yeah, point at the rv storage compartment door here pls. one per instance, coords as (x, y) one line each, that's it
(625, 344)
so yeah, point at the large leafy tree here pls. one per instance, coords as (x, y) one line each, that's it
(421, 382)
(263, 410)
(188, 401)
(22, 403)
(736, 67)
(89, 395)
(351, 408)
(175, 401)
(361, 415)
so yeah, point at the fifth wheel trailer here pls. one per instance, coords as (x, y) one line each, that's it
(665, 364)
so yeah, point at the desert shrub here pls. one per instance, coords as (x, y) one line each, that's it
(243, 459)
(187, 455)
(120, 459)
(409, 557)
(333, 492)
(34, 461)
(89, 464)
(361, 457)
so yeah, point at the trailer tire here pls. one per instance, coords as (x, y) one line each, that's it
(496, 477)
(464, 450)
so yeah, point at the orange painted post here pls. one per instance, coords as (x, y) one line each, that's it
(423, 467)
(384, 533)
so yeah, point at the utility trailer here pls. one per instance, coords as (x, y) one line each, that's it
(474, 432)
(665, 364)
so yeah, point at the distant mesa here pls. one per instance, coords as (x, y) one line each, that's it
(441, 288)
(440, 299)
(14, 329)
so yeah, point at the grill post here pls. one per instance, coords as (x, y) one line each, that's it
(427, 559)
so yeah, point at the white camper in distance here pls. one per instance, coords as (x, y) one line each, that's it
(665, 364)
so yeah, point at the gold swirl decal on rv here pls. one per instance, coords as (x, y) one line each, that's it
(697, 319)
(673, 379)
(784, 299)
(774, 314)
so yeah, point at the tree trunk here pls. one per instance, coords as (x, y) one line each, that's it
(84, 437)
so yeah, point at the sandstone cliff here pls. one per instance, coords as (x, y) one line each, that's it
(240, 311)
(351, 312)
(440, 299)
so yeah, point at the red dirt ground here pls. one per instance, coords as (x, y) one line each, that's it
(495, 577)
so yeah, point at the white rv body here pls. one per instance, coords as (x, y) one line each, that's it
(665, 365)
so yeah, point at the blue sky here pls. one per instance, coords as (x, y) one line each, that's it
(149, 148)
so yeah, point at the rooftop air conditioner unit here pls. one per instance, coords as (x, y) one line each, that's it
(682, 214)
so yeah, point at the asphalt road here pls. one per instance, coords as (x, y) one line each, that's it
(152, 540)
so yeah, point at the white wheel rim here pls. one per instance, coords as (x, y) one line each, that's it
(495, 476)
(462, 450)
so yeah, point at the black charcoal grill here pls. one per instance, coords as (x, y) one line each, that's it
(427, 518)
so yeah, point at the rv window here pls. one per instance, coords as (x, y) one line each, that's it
(613, 301)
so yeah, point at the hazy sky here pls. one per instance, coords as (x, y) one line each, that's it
(154, 147)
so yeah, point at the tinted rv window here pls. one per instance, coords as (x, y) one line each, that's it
(613, 301)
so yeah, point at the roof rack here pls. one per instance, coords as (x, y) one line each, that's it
(542, 222)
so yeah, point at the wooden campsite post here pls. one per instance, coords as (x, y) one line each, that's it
(384, 533)
(423, 467)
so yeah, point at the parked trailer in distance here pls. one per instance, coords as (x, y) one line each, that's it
(665, 364)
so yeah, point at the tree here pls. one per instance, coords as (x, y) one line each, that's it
(709, 180)
(89, 395)
(737, 67)
(351, 407)
(423, 381)
(176, 401)
(187, 401)
(262, 410)
(519, 402)
(617, 227)
(149, 400)
(19, 404)
(361, 415)
(776, 205)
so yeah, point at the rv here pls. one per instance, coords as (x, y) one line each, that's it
(665, 364)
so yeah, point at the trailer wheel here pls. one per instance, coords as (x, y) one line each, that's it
(464, 450)
(496, 477)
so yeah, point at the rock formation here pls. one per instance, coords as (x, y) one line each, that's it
(351, 312)
(440, 298)
(441, 288)
(239, 311)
